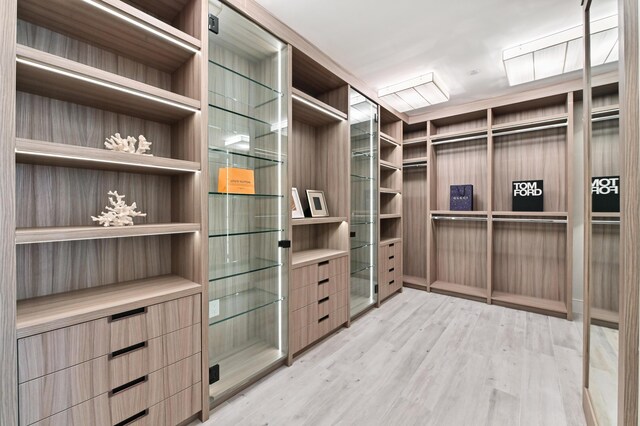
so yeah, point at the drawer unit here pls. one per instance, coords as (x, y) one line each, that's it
(65, 374)
(318, 307)
(390, 269)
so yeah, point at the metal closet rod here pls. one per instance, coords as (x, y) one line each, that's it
(466, 138)
(528, 220)
(409, 166)
(460, 218)
(530, 129)
(605, 118)
(605, 222)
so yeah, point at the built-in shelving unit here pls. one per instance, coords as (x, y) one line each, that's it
(249, 131)
(493, 254)
(87, 70)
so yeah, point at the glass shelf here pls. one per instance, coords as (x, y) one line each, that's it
(362, 222)
(239, 114)
(237, 304)
(363, 154)
(269, 91)
(362, 178)
(357, 267)
(356, 245)
(231, 194)
(213, 233)
(230, 158)
(234, 269)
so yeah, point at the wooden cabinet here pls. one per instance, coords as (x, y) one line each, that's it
(390, 269)
(319, 302)
(111, 369)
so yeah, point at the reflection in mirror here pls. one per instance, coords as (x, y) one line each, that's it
(604, 258)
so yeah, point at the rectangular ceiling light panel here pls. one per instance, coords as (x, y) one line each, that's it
(561, 52)
(414, 94)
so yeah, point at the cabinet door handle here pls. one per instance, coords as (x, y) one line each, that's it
(391, 282)
(392, 269)
(326, 299)
(127, 314)
(133, 418)
(128, 385)
(323, 281)
(391, 257)
(131, 348)
(326, 262)
(324, 318)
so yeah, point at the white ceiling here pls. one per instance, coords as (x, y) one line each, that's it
(384, 43)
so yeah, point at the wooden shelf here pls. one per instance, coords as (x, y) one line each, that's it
(390, 191)
(390, 166)
(415, 281)
(605, 215)
(413, 141)
(390, 216)
(386, 139)
(63, 155)
(42, 314)
(59, 78)
(607, 109)
(479, 132)
(530, 302)
(317, 220)
(459, 289)
(387, 241)
(563, 215)
(308, 257)
(458, 213)
(604, 317)
(415, 160)
(529, 123)
(76, 233)
(313, 112)
(82, 21)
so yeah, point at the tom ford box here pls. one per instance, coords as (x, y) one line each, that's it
(527, 196)
(605, 194)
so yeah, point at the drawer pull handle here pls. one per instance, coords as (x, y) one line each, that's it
(324, 318)
(392, 269)
(131, 313)
(391, 282)
(392, 244)
(323, 281)
(132, 348)
(326, 262)
(326, 299)
(391, 257)
(129, 385)
(133, 418)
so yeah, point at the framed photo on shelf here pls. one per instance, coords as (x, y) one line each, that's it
(317, 203)
(296, 205)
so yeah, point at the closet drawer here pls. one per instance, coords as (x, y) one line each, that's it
(94, 412)
(300, 338)
(331, 268)
(304, 296)
(134, 397)
(301, 277)
(327, 305)
(327, 287)
(304, 316)
(391, 250)
(183, 405)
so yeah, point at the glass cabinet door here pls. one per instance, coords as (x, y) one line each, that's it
(248, 201)
(364, 202)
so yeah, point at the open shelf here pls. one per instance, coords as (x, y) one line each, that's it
(458, 213)
(529, 124)
(413, 141)
(239, 367)
(229, 232)
(42, 314)
(387, 241)
(529, 214)
(604, 317)
(605, 215)
(317, 220)
(390, 191)
(390, 216)
(310, 110)
(388, 140)
(529, 302)
(63, 155)
(234, 269)
(241, 303)
(357, 267)
(77, 233)
(308, 257)
(116, 26)
(415, 281)
(459, 289)
(416, 160)
(455, 136)
(55, 77)
(387, 165)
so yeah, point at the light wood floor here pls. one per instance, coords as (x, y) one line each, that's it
(426, 359)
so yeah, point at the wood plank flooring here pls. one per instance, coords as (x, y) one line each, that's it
(426, 359)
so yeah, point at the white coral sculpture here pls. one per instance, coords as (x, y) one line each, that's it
(128, 145)
(119, 214)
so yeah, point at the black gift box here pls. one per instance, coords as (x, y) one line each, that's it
(527, 196)
(605, 194)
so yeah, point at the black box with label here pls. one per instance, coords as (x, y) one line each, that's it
(605, 194)
(527, 196)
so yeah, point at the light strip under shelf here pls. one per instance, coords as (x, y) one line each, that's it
(104, 84)
(141, 25)
(317, 107)
(528, 220)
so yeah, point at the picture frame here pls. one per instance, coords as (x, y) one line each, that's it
(296, 205)
(317, 203)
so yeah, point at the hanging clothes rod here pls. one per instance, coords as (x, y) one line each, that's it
(411, 166)
(605, 222)
(464, 139)
(460, 218)
(528, 220)
(605, 118)
(529, 129)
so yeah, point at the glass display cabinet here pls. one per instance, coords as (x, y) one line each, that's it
(364, 197)
(248, 201)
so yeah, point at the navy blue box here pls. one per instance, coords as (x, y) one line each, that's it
(461, 197)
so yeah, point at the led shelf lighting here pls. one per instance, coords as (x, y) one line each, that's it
(561, 52)
(416, 93)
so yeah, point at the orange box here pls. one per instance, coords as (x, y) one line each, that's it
(236, 181)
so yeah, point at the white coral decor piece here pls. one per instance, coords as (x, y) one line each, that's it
(119, 214)
(128, 145)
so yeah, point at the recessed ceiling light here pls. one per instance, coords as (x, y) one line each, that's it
(415, 93)
(561, 52)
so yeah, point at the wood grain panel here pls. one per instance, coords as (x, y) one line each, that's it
(530, 259)
(605, 148)
(531, 109)
(415, 221)
(8, 355)
(461, 256)
(605, 268)
(52, 268)
(57, 44)
(137, 398)
(47, 119)
(531, 156)
(459, 164)
(455, 124)
(94, 411)
(183, 405)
